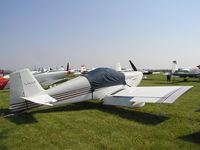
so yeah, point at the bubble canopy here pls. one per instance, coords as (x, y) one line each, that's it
(103, 77)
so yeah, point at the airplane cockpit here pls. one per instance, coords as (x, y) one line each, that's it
(102, 77)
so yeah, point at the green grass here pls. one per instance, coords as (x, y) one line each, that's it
(90, 125)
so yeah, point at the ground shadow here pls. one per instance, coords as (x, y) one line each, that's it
(4, 111)
(133, 115)
(148, 79)
(18, 118)
(194, 137)
(142, 117)
(22, 118)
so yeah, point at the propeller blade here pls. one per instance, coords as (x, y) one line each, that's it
(133, 66)
(67, 66)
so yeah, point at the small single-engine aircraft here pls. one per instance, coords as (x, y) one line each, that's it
(109, 86)
(144, 72)
(49, 78)
(45, 79)
(190, 72)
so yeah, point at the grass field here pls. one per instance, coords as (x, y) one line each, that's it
(90, 125)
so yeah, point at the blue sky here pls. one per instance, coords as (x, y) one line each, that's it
(99, 33)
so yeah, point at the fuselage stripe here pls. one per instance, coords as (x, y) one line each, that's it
(71, 94)
(59, 97)
(87, 88)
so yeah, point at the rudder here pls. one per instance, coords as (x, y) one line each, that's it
(23, 84)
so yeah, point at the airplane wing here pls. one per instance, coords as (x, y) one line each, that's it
(185, 74)
(48, 82)
(41, 99)
(133, 95)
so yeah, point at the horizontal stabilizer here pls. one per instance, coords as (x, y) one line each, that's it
(41, 99)
(135, 95)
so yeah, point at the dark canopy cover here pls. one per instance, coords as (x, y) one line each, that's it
(102, 77)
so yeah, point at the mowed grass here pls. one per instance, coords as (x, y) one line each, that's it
(90, 125)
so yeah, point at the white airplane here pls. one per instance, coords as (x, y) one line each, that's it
(144, 72)
(109, 86)
(190, 72)
(49, 78)
(45, 79)
(80, 71)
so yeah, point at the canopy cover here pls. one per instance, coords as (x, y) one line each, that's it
(103, 77)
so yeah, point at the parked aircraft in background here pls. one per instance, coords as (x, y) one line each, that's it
(1, 73)
(79, 71)
(3, 82)
(108, 85)
(144, 72)
(45, 79)
(190, 72)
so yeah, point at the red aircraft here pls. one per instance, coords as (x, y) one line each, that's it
(3, 82)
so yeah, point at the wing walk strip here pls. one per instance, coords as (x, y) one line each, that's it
(164, 98)
(59, 97)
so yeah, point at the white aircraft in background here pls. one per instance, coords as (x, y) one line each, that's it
(79, 71)
(190, 72)
(144, 72)
(45, 79)
(109, 86)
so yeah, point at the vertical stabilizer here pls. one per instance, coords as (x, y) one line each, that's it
(118, 67)
(174, 66)
(23, 84)
(1, 73)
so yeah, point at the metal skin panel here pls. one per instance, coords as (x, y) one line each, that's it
(138, 96)
(147, 91)
(75, 90)
(46, 79)
(133, 79)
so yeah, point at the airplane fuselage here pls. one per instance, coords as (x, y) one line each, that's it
(79, 89)
(96, 84)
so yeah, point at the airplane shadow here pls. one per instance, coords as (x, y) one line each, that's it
(198, 110)
(133, 115)
(194, 137)
(148, 79)
(18, 118)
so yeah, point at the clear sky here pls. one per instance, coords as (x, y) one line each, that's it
(99, 33)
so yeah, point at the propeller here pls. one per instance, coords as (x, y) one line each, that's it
(67, 66)
(133, 66)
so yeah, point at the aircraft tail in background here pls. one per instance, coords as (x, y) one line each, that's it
(174, 66)
(118, 67)
(1, 72)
